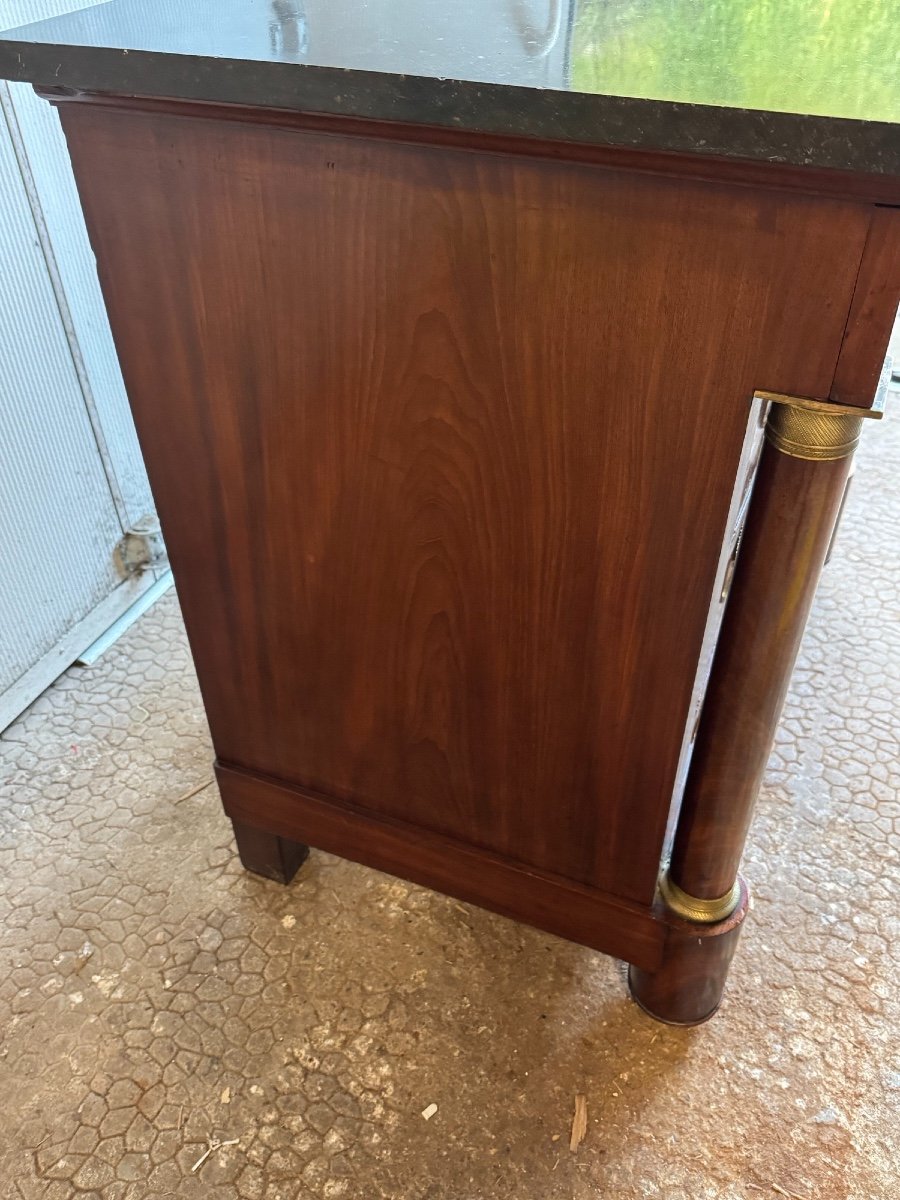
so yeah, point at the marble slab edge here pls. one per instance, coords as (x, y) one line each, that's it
(791, 139)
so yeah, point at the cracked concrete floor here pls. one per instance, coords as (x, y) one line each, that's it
(152, 995)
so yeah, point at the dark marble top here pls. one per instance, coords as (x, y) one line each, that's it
(802, 82)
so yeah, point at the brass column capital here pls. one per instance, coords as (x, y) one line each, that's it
(814, 429)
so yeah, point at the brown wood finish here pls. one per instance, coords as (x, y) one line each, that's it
(557, 905)
(841, 185)
(872, 313)
(267, 854)
(686, 989)
(787, 535)
(444, 440)
(443, 444)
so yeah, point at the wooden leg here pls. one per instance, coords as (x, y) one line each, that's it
(687, 988)
(267, 854)
(796, 498)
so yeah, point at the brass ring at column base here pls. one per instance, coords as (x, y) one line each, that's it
(694, 908)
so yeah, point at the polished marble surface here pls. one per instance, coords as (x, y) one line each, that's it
(582, 70)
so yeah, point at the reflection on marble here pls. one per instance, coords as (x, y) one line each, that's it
(799, 56)
(511, 41)
(808, 56)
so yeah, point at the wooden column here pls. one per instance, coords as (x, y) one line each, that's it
(797, 496)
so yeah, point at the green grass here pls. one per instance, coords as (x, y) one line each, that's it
(837, 57)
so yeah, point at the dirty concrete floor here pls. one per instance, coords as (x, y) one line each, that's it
(152, 995)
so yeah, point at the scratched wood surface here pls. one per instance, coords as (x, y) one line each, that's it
(443, 443)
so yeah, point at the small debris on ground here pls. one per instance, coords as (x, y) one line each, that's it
(214, 1145)
(579, 1122)
(429, 1112)
(201, 787)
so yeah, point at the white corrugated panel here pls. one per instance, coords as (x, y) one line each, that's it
(43, 142)
(58, 524)
(45, 160)
(71, 473)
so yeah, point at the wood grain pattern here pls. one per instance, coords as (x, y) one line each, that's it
(686, 988)
(548, 902)
(443, 443)
(842, 185)
(872, 313)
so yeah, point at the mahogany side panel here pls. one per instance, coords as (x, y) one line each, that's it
(872, 313)
(443, 443)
